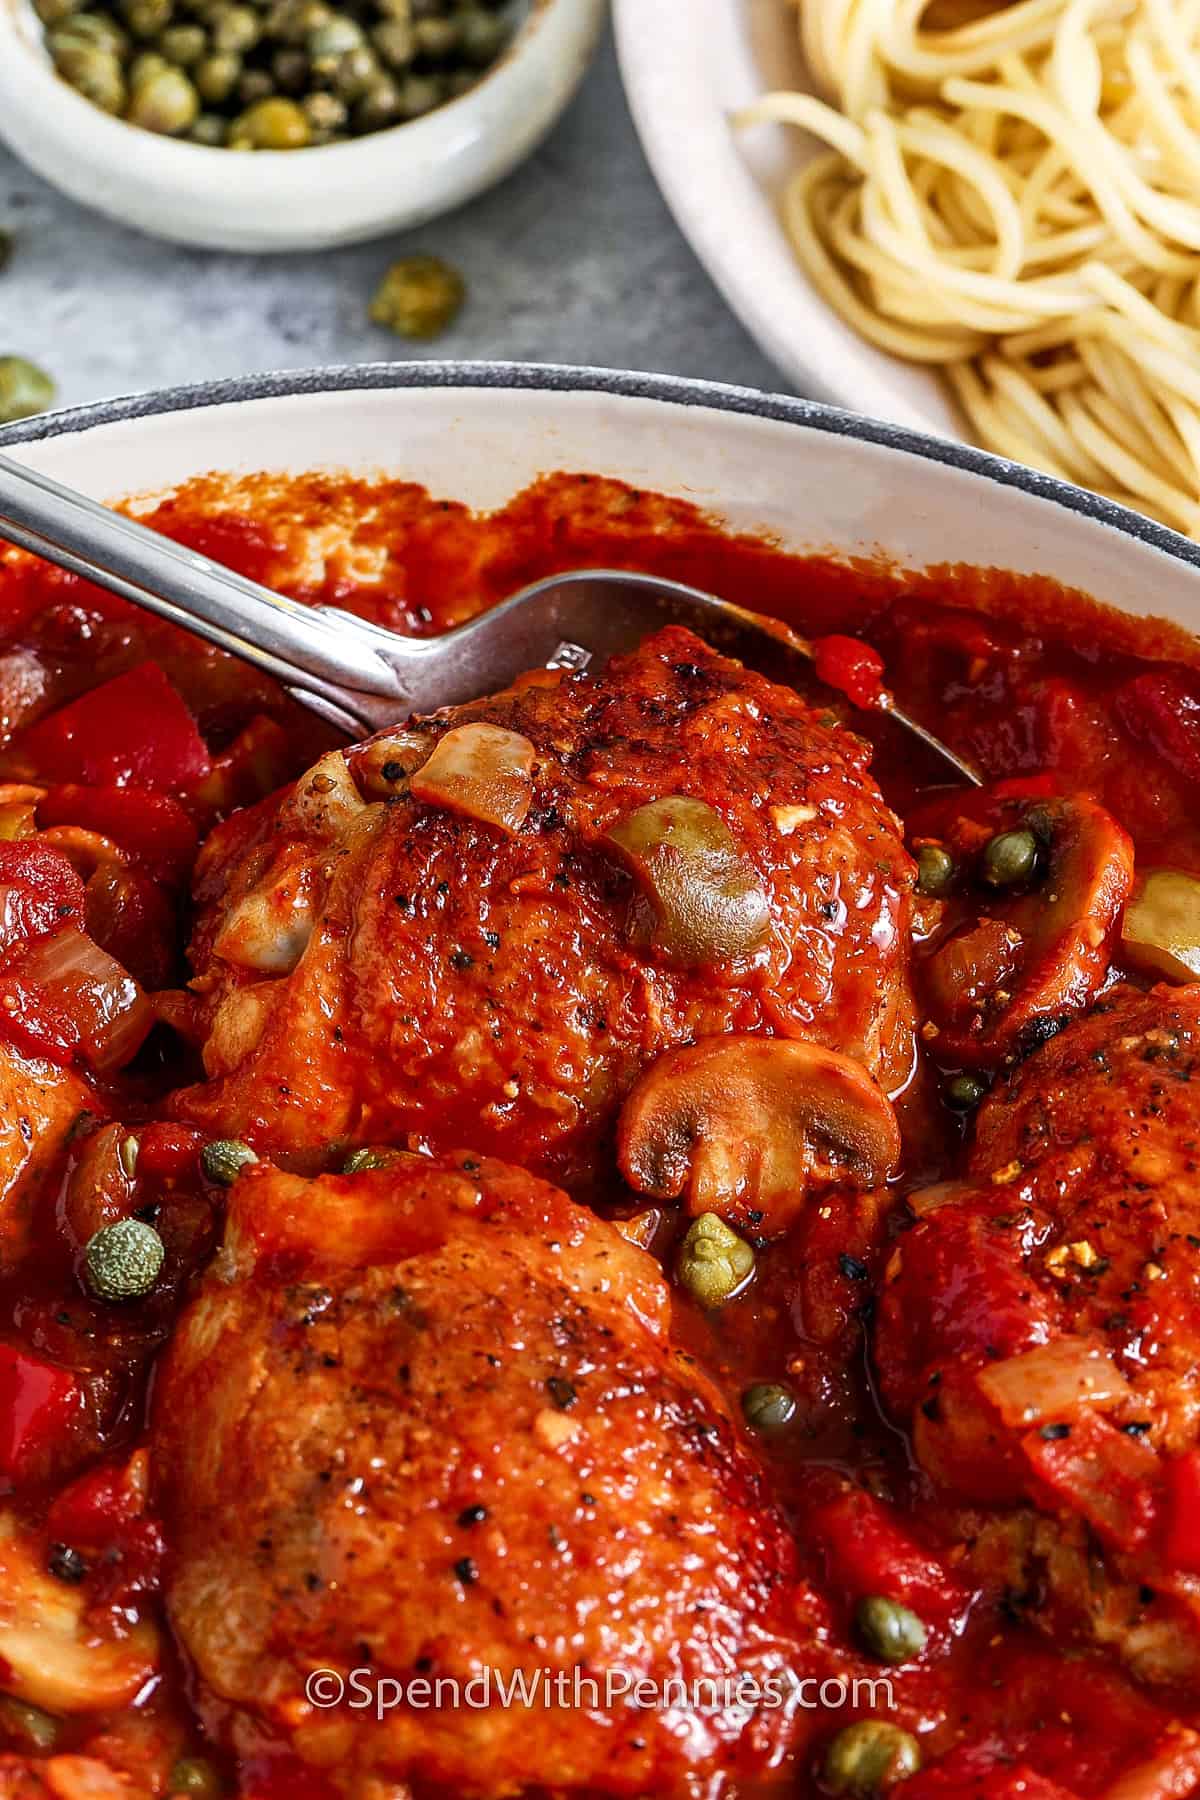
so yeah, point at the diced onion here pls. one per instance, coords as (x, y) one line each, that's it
(1055, 1381)
(111, 1010)
(482, 771)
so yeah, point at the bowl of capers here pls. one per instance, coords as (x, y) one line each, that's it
(349, 118)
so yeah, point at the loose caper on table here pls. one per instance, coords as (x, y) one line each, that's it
(272, 74)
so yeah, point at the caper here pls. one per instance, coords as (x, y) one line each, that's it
(216, 77)
(890, 1631)
(420, 94)
(290, 69)
(330, 41)
(714, 1262)
(418, 296)
(379, 106)
(360, 1160)
(275, 124)
(96, 74)
(291, 21)
(436, 38)
(395, 42)
(460, 81)
(256, 85)
(166, 102)
(123, 1260)
(53, 12)
(868, 1757)
(355, 72)
(145, 64)
(962, 1093)
(1010, 858)
(236, 29)
(24, 389)
(146, 18)
(209, 129)
(97, 29)
(183, 45)
(481, 36)
(326, 114)
(224, 1159)
(195, 1777)
(768, 1405)
(935, 869)
(29, 1725)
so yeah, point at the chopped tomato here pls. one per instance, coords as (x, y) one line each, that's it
(867, 1552)
(39, 891)
(93, 1509)
(153, 828)
(135, 730)
(1162, 708)
(64, 996)
(1099, 1472)
(850, 666)
(1182, 1549)
(168, 1151)
(39, 1402)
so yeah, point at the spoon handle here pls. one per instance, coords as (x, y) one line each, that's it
(309, 649)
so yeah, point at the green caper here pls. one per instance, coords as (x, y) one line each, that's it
(435, 38)
(935, 869)
(326, 115)
(379, 106)
(195, 1777)
(290, 70)
(365, 1158)
(1010, 858)
(330, 41)
(482, 36)
(145, 64)
(868, 1757)
(460, 81)
(54, 12)
(418, 296)
(24, 389)
(275, 124)
(355, 72)
(395, 41)
(714, 1262)
(254, 85)
(216, 77)
(166, 102)
(32, 1728)
(183, 45)
(94, 73)
(209, 129)
(768, 1405)
(236, 29)
(224, 1159)
(291, 21)
(99, 30)
(123, 1260)
(963, 1092)
(890, 1631)
(146, 18)
(420, 94)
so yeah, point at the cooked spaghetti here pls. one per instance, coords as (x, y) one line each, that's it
(1016, 199)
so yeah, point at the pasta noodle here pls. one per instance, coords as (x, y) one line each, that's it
(1015, 199)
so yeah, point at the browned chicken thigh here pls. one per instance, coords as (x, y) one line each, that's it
(426, 1422)
(483, 927)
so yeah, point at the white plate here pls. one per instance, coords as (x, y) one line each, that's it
(687, 64)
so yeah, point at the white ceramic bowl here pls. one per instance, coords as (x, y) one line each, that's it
(297, 200)
(479, 432)
(686, 68)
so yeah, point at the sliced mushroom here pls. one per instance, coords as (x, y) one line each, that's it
(482, 771)
(699, 900)
(1161, 930)
(1000, 982)
(747, 1127)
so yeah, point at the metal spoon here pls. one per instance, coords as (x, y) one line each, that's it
(361, 677)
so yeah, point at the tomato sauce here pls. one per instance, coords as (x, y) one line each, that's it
(118, 729)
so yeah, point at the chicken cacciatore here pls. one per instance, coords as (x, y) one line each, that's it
(620, 1240)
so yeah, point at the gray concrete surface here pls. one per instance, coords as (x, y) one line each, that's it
(572, 259)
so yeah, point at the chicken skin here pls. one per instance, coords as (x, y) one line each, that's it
(427, 1422)
(1042, 1328)
(483, 927)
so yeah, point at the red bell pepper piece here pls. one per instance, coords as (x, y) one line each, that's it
(850, 666)
(38, 1404)
(134, 730)
(867, 1552)
(1100, 1473)
(39, 892)
(152, 827)
(169, 1151)
(94, 1509)
(1182, 1546)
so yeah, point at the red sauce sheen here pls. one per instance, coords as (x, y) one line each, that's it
(119, 731)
